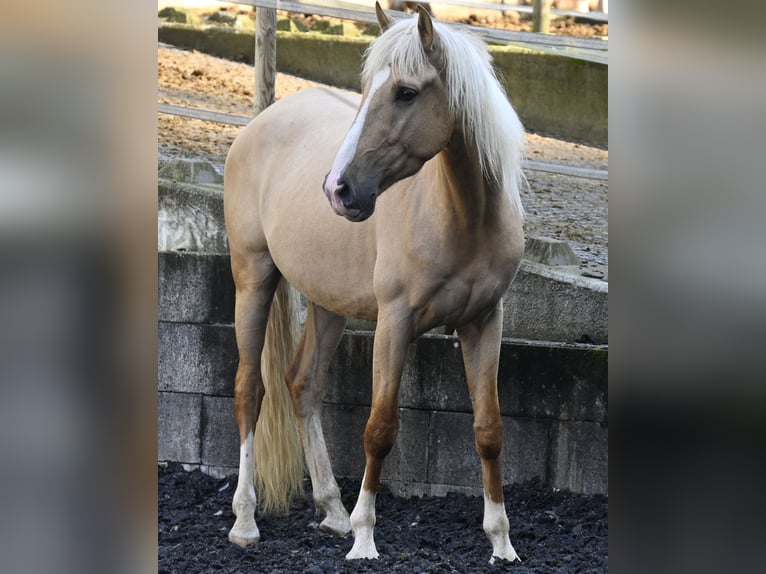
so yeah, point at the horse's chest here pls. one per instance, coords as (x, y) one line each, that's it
(457, 296)
(444, 279)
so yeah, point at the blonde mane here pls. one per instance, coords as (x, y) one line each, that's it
(477, 99)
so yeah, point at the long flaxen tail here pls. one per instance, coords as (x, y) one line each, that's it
(278, 460)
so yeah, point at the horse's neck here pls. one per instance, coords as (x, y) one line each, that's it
(477, 201)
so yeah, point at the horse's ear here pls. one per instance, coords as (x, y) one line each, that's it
(383, 20)
(425, 28)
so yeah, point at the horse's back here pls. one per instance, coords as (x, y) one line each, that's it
(291, 129)
(290, 140)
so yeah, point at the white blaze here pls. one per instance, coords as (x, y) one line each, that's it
(347, 149)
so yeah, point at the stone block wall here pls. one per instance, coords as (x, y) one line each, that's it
(553, 397)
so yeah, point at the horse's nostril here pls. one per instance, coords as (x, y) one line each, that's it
(344, 194)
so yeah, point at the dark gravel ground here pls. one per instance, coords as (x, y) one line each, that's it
(553, 532)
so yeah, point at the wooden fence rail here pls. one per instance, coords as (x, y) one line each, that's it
(595, 16)
(265, 60)
(235, 120)
(590, 49)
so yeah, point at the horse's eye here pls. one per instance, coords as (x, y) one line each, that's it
(405, 94)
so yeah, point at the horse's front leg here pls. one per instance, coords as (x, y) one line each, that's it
(392, 337)
(480, 342)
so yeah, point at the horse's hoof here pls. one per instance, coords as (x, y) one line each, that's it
(510, 557)
(363, 549)
(337, 526)
(362, 555)
(244, 537)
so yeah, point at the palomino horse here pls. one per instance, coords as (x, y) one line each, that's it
(435, 132)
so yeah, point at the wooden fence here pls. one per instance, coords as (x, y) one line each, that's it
(595, 50)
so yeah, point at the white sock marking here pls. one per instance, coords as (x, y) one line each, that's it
(245, 531)
(362, 523)
(496, 527)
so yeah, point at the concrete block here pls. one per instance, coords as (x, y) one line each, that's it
(190, 218)
(179, 418)
(567, 382)
(408, 459)
(453, 460)
(580, 457)
(452, 457)
(190, 171)
(220, 435)
(350, 373)
(549, 251)
(561, 381)
(434, 376)
(549, 305)
(343, 427)
(197, 358)
(195, 288)
(526, 449)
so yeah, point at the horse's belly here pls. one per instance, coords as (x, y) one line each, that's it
(327, 258)
(340, 283)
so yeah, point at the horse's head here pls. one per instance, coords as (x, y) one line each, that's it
(403, 121)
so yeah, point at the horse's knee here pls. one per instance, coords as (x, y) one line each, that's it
(489, 439)
(380, 433)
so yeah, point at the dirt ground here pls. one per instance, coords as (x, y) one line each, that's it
(553, 532)
(573, 209)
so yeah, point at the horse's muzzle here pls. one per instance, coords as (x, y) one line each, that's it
(344, 202)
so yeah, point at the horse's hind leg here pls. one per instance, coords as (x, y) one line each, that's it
(307, 380)
(480, 342)
(256, 280)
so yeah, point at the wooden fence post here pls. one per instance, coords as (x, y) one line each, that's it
(265, 57)
(541, 16)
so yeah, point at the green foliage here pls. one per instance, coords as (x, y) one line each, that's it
(171, 14)
(223, 17)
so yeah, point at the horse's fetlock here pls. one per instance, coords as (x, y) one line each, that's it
(323, 498)
(496, 525)
(362, 520)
